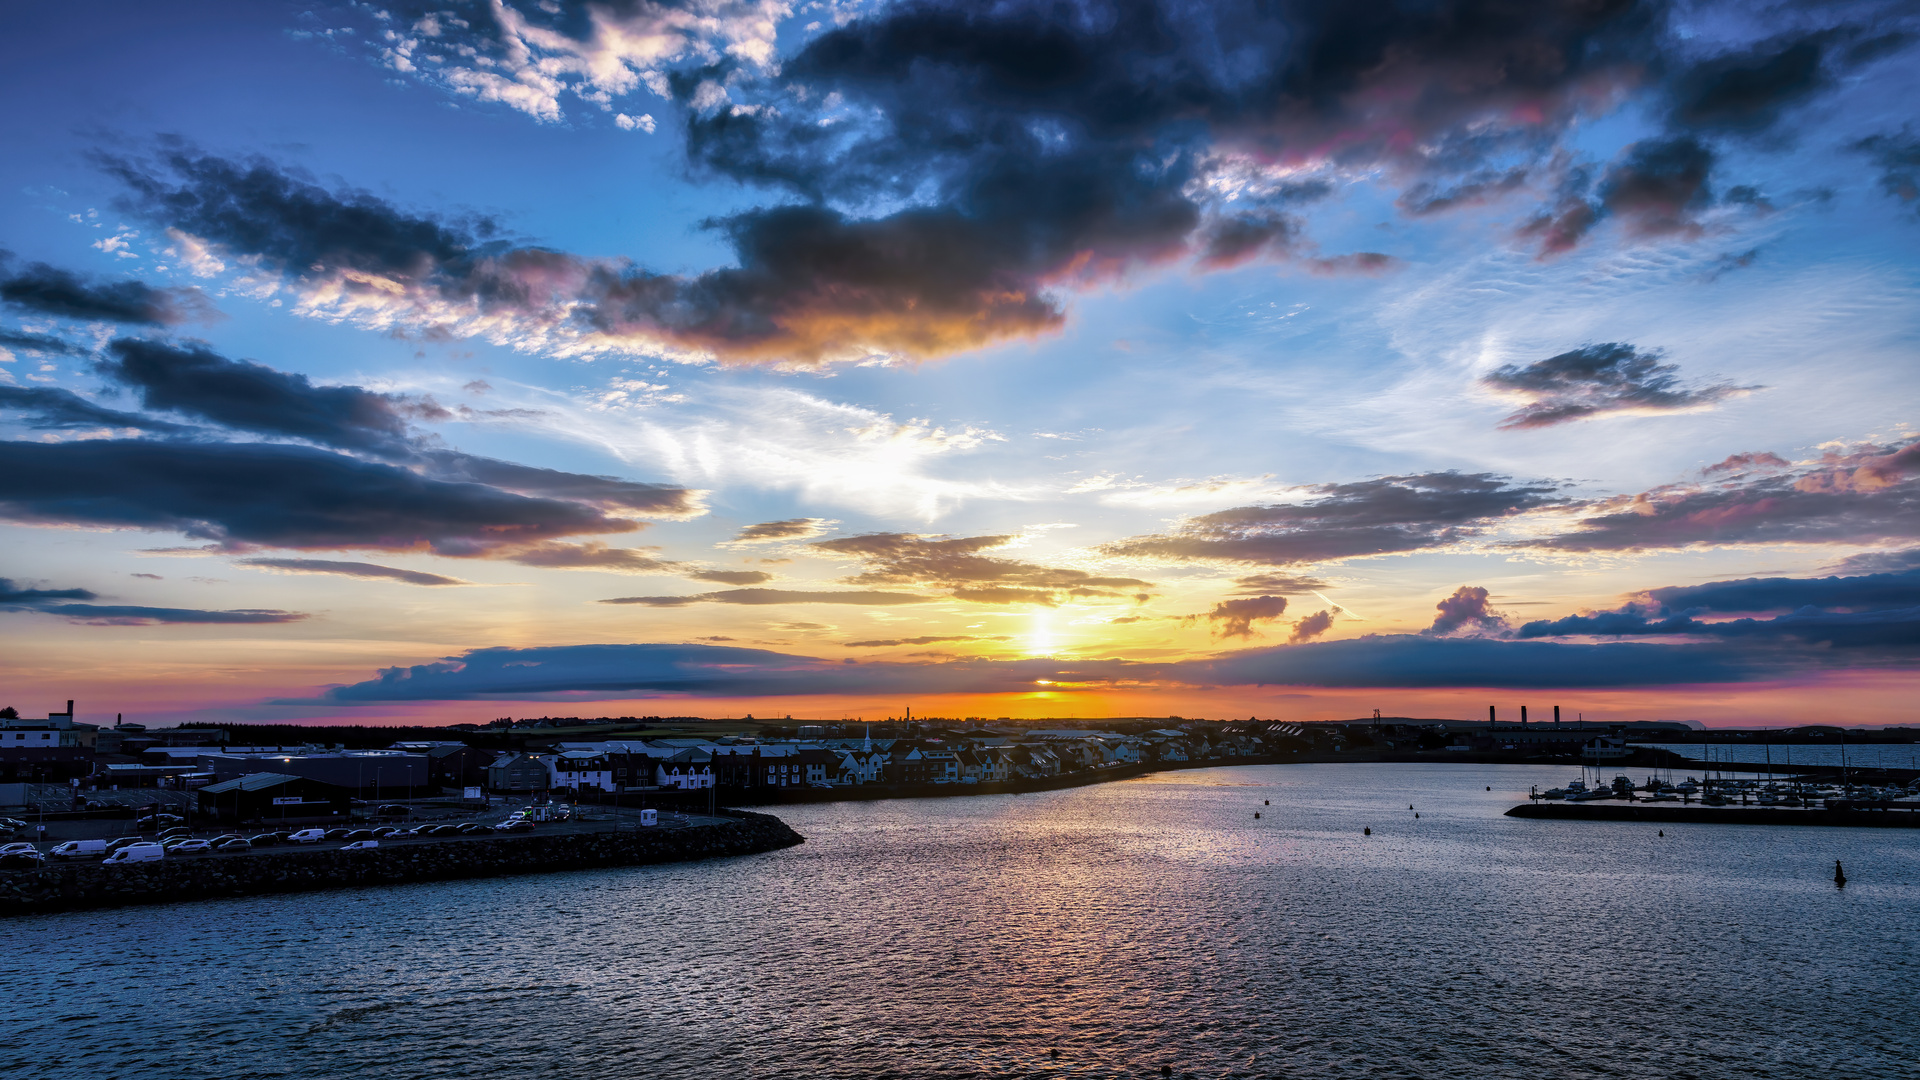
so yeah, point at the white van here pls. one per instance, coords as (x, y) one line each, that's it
(142, 852)
(307, 836)
(80, 849)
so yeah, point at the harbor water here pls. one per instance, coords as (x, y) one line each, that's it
(1112, 930)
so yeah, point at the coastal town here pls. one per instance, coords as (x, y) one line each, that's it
(63, 760)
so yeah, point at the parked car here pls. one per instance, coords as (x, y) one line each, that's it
(521, 825)
(80, 849)
(172, 842)
(394, 810)
(337, 834)
(16, 848)
(471, 828)
(308, 836)
(362, 845)
(235, 844)
(166, 834)
(191, 847)
(403, 834)
(158, 821)
(117, 844)
(216, 841)
(268, 839)
(22, 860)
(360, 834)
(10, 824)
(144, 851)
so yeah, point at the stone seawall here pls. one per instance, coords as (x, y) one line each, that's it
(75, 886)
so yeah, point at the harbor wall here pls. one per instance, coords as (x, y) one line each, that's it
(76, 886)
(1717, 815)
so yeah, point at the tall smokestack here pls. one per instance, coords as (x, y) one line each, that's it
(1556, 715)
(69, 707)
(1490, 709)
(1523, 716)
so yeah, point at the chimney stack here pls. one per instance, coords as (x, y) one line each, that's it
(1490, 709)
(1523, 716)
(1556, 715)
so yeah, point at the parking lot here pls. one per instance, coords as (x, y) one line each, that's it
(443, 827)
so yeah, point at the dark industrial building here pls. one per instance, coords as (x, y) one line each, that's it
(272, 798)
(373, 774)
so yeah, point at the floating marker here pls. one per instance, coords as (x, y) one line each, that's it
(1839, 875)
(1256, 815)
(1416, 817)
(1368, 831)
(1663, 832)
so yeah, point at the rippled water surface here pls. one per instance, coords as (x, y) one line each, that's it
(1132, 926)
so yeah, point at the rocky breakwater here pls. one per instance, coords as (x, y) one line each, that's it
(75, 886)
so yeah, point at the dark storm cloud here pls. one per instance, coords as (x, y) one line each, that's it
(13, 594)
(609, 493)
(133, 615)
(1747, 91)
(238, 496)
(1660, 186)
(1879, 562)
(1864, 496)
(49, 290)
(956, 564)
(1396, 661)
(1310, 627)
(790, 529)
(1466, 611)
(1885, 590)
(1235, 618)
(351, 569)
(50, 408)
(761, 597)
(246, 396)
(1898, 157)
(13, 598)
(1370, 517)
(40, 343)
(1595, 380)
(1894, 629)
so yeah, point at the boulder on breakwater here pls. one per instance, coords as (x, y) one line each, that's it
(76, 886)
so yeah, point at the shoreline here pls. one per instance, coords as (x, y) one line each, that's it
(872, 792)
(91, 885)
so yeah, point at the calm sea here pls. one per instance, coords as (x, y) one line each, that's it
(1127, 926)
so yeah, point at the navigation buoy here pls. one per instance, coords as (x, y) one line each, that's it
(1266, 802)
(1489, 787)
(1409, 806)
(1663, 832)
(1256, 815)
(1839, 875)
(1416, 817)
(1166, 1070)
(1368, 831)
(1055, 1052)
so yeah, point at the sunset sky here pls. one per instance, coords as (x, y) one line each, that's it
(384, 363)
